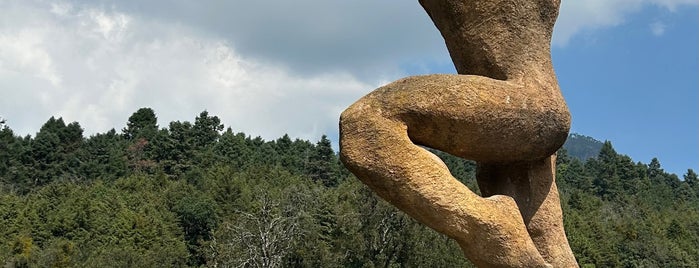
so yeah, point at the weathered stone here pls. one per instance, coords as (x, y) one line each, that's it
(504, 110)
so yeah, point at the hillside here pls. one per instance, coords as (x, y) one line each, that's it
(582, 147)
(199, 194)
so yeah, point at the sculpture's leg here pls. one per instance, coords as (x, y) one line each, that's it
(532, 185)
(490, 231)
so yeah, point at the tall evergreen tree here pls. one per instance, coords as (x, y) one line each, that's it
(288, 158)
(7, 138)
(654, 169)
(232, 149)
(323, 163)
(177, 148)
(692, 179)
(142, 124)
(53, 151)
(106, 156)
(206, 130)
(607, 182)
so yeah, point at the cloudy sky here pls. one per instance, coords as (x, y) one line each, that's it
(628, 68)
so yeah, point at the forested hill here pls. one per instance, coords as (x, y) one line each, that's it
(582, 147)
(197, 194)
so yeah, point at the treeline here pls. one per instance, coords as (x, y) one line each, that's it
(197, 194)
(618, 213)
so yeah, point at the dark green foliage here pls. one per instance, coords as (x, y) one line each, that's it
(196, 216)
(623, 214)
(206, 130)
(106, 156)
(195, 195)
(232, 149)
(142, 124)
(692, 181)
(323, 163)
(66, 224)
(8, 150)
(52, 155)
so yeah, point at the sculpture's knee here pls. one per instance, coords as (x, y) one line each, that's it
(350, 141)
(364, 129)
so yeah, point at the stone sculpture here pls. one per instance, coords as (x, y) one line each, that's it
(504, 110)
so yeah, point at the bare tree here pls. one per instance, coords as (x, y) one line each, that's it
(256, 239)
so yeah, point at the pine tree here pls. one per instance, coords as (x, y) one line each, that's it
(104, 156)
(232, 149)
(692, 179)
(606, 182)
(53, 151)
(654, 169)
(288, 159)
(324, 163)
(7, 152)
(142, 124)
(206, 130)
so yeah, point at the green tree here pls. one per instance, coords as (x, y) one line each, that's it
(574, 175)
(196, 215)
(691, 178)
(606, 182)
(104, 156)
(654, 169)
(206, 130)
(262, 153)
(323, 163)
(141, 124)
(7, 150)
(173, 148)
(54, 151)
(232, 149)
(289, 158)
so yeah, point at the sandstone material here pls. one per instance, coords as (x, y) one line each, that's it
(504, 110)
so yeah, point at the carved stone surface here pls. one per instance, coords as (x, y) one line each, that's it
(504, 110)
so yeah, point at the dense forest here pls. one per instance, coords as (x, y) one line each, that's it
(197, 194)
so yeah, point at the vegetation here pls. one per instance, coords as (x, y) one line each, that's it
(194, 194)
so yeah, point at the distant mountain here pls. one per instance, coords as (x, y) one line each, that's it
(582, 147)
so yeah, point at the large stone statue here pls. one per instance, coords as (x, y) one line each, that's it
(504, 110)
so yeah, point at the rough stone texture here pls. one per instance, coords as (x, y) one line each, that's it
(504, 110)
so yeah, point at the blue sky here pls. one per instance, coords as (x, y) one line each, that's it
(628, 69)
(636, 85)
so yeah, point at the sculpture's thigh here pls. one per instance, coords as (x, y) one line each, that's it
(473, 117)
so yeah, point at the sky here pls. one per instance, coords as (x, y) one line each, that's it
(627, 68)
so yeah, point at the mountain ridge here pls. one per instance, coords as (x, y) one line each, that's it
(582, 147)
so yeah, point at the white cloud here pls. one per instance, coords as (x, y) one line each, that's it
(308, 36)
(578, 16)
(111, 27)
(22, 53)
(97, 66)
(264, 68)
(657, 28)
